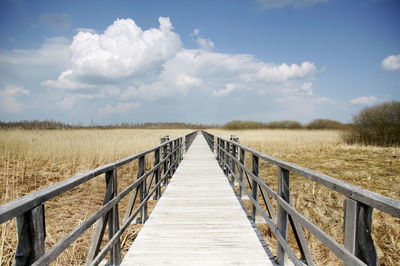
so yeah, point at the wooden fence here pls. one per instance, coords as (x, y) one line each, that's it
(29, 210)
(358, 246)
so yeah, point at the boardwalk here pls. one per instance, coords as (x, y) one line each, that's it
(198, 220)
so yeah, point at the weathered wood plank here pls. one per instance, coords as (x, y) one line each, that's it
(197, 219)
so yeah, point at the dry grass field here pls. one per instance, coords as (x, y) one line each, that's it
(370, 167)
(30, 160)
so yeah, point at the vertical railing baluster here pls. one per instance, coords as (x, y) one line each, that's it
(115, 252)
(165, 166)
(234, 154)
(242, 161)
(212, 143)
(142, 190)
(233, 165)
(31, 236)
(157, 174)
(102, 223)
(283, 192)
(172, 164)
(254, 185)
(218, 159)
(357, 231)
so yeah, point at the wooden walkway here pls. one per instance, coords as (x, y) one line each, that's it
(198, 220)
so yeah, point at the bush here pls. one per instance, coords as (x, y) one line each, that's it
(289, 124)
(236, 124)
(325, 124)
(376, 125)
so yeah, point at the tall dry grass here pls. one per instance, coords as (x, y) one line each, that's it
(370, 167)
(30, 160)
(33, 159)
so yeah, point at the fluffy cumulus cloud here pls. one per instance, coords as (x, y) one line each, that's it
(9, 102)
(122, 51)
(390, 63)
(133, 65)
(364, 100)
(265, 4)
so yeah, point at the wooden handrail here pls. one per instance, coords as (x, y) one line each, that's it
(358, 205)
(29, 209)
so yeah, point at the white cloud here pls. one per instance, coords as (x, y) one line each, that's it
(265, 4)
(281, 73)
(56, 21)
(205, 44)
(228, 89)
(364, 100)
(120, 52)
(8, 99)
(390, 63)
(306, 88)
(152, 64)
(302, 101)
(69, 100)
(93, 31)
(120, 108)
(66, 81)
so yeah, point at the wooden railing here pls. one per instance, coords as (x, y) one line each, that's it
(189, 139)
(358, 246)
(30, 218)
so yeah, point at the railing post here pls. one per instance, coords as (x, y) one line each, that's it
(165, 154)
(175, 156)
(357, 231)
(283, 192)
(234, 154)
(172, 161)
(241, 170)
(31, 234)
(254, 186)
(224, 157)
(157, 174)
(142, 189)
(115, 252)
(212, 140)
(218, 159)
(107, 218)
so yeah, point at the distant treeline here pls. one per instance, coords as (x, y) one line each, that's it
(51, 124)
(374, 125)
(286, 124)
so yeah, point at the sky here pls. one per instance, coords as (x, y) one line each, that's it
(197, 61)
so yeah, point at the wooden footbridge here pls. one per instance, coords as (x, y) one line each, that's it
(200, 218)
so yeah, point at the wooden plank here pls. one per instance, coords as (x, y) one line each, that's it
(198, 219)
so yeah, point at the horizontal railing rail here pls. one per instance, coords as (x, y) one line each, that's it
(189, 139)
(30, 215)
(358, 246)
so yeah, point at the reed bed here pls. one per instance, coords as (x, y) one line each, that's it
(34, 159)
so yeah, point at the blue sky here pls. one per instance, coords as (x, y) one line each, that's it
(197, 61)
